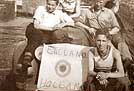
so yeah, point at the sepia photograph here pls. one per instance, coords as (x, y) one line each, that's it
(66, 45)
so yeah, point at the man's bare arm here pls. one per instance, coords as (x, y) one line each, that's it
(120, 70)
(115, 30)
(91, 30)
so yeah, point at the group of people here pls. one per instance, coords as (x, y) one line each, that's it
(99, 21)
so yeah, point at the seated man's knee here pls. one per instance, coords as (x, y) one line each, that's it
(124, 81)
(116, 39)
(89, 84)
(124, 50)
(29, 29)
(90, 79)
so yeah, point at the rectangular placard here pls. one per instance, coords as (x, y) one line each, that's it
(61, 66)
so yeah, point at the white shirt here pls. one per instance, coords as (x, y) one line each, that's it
(50, 19)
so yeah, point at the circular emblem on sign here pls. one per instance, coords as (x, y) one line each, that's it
(62, 68)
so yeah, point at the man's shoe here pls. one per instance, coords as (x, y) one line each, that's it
(27, 59)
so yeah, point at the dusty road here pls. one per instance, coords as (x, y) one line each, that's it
(11, 32)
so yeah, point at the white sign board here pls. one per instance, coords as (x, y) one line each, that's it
(61, 67)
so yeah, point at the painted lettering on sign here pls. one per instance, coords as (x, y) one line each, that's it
(64, 52)
(60, 66)
(62, 85)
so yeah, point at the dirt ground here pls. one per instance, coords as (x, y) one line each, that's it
(11, 33)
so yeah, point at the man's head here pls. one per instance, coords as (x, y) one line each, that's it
(51, 5)
(101, 40)
(100, 3)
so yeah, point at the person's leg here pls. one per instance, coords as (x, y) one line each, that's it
(125, 83)
(73, 35)
(126, 56)
(89, 85)
(121, 45)
(114, 85)
(34, 40)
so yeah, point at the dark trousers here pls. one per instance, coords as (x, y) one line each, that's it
(35, 38)
(115, 84)
(120, 43)
(68, 34)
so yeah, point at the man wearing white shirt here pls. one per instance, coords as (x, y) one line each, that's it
(48, 19)
(45, 21)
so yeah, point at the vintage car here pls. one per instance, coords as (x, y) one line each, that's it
(68, 35)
